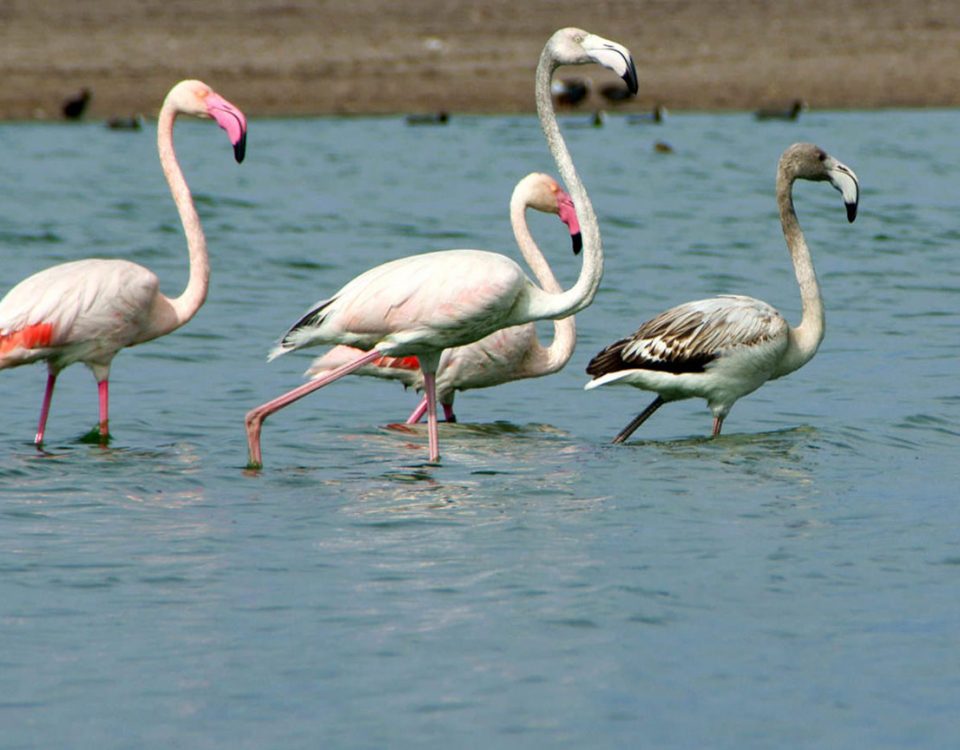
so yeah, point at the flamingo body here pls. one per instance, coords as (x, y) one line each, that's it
(426, 303)
(495, 359)
(719, 349)
(422, 302)
(502, 357)
(505, 355)
(723, 348)
(88, 310)
(82, 311)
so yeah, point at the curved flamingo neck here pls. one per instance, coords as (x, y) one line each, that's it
(582, 292)
(179, 310)
(806, 337)
(544, 360)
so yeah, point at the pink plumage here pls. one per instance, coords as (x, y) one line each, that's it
(423, 304)
(506, 355)
(88, 310)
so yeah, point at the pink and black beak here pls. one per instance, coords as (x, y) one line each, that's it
(568, 215)
(232, 120)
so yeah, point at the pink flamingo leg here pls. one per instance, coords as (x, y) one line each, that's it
(255, 417)
(103, 389)
(421, 409)
(430, 388)
(45, 408)
(418, 413)
(717, 424)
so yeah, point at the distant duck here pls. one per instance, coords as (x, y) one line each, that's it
(429, 118)
(131, 122)
(570, 91)
(655, 116)
(615, 93)
(792, 113)
(662, 147)
(596, 120)
(73, 107)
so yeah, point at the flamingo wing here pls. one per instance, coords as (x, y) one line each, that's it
(502, 357)
(687, 338)
(449, 298)
(95, 302)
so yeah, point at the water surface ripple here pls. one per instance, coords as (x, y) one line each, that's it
(792, 584)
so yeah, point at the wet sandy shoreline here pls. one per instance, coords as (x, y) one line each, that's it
(292, 57)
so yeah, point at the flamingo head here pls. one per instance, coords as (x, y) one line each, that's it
(541, 192)
(809, 162)
(196, 98)
(573, 46)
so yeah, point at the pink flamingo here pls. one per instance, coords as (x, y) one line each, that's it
(723, 348)
(88, 310)
(509, 354)
(420, 305)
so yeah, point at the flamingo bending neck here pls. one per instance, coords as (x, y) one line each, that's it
(549, 359)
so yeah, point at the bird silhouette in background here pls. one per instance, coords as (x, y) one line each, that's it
(791, 113)
(569, 92)
(74, 106)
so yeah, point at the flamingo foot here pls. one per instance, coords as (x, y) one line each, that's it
(255, 417)
(254, 423)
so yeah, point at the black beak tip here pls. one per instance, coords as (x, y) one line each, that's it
(240, 149)
(851, 211)
(577, 243)
(630, 78)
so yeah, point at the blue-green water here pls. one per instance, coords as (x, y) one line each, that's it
(795, 583)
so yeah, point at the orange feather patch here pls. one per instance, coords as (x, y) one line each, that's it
(36, 336)
(399, 363)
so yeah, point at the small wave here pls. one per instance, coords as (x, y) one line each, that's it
(30, 238)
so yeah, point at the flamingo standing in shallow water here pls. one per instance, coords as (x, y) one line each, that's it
(88, 310)
(725, 347)
(509, 354)
(420, 305)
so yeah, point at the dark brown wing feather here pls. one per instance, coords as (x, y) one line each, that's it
(686, 338)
